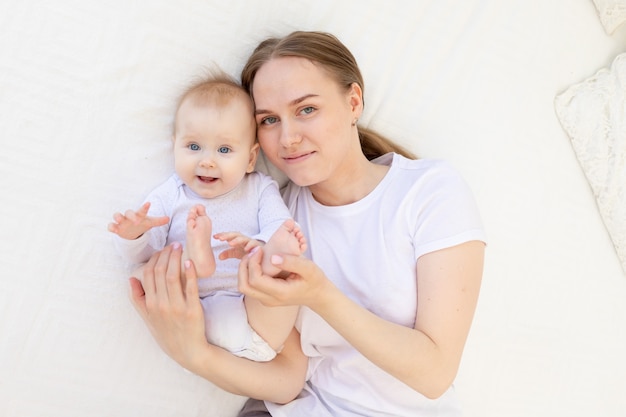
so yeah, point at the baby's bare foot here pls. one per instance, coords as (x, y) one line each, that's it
(287, 240)
(198, 247)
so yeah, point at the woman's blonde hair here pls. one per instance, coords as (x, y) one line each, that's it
(327, 51)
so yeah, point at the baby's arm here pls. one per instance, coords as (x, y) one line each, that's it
(133, 224)
(240, 244)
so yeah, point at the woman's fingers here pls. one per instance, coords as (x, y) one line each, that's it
(305, 283)
(242, 279)
(291, 263)
(300, 287)
(253, 263)
(138, 297)
(250, 274)
(191, 281)
(173, 276)
(254, 283)
(162, 278)
(160, 271)
(148, 282)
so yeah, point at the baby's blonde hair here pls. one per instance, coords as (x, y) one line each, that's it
(217, 89)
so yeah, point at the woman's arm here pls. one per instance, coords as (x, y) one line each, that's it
(279, 381)
(172, 311)
(427, 357)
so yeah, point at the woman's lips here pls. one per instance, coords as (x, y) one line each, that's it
(297, 158)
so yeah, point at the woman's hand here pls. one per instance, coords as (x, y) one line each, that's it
(426, 357)
(305, 285)
(170, 306)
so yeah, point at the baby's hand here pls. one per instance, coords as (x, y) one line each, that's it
(133, 224)
(239, 244)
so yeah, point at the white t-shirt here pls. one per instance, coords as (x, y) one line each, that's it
(369, 250)
(254, 208)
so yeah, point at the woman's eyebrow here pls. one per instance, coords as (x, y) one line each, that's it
(291, 103)
(301, 99)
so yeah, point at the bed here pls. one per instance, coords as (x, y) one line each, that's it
(524, 97)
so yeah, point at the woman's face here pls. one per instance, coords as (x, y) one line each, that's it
(304, 120)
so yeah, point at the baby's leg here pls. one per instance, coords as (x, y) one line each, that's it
(273, 324)
(198, 247)
(287, 240)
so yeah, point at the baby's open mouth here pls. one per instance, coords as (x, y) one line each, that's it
(207, 179)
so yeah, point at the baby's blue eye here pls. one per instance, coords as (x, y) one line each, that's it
(194, 147)
(224, 149)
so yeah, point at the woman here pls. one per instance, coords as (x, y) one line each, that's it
(396, 255)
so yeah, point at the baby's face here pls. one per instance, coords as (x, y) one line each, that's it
(214, 147)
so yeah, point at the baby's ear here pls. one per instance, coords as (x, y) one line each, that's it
(254, 154)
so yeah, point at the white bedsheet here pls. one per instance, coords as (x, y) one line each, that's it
(87, 92)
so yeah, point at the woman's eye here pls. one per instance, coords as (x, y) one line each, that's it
(307, 110)
(194, 147)
(223, 149)
(269, 120)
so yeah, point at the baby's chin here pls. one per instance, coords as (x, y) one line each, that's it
(212, 190)
(207, 191)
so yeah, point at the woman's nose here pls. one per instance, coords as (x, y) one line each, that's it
(290, 135)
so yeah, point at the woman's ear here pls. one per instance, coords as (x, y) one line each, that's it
(355, 96)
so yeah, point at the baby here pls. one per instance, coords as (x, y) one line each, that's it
(215, 151)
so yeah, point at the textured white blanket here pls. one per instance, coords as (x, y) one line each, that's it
(594, 115)
(612, 13)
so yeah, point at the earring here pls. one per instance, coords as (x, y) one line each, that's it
(356, 119)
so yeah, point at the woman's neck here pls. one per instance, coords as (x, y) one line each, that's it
(357, 180)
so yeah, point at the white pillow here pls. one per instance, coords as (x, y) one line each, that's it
(593, 113)
(612, 13)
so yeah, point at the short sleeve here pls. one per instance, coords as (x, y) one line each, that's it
(446, 213)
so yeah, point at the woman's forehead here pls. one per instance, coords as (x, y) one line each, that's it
(290, 78)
